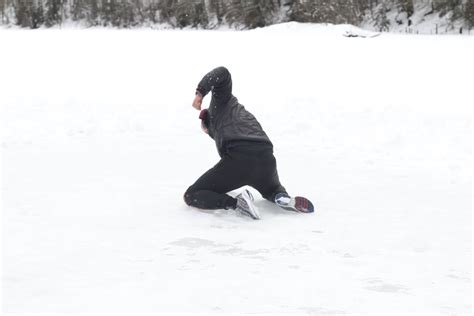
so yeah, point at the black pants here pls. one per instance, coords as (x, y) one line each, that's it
(240, 165)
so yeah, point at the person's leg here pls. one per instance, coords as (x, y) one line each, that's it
(266, 181)
(268, 184)
(209, 191)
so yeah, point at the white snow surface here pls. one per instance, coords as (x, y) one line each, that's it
(99, 143)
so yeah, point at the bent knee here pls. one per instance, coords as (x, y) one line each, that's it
(187, 196)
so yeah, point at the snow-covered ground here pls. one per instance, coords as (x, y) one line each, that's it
(99, 142)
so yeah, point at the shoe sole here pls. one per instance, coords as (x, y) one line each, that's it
(298, 204)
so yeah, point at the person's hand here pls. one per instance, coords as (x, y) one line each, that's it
(197, 101)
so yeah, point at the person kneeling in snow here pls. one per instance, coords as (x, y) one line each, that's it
(246, 154)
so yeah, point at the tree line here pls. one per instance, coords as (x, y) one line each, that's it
(210, 14)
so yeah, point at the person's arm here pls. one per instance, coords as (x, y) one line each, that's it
(219, 81)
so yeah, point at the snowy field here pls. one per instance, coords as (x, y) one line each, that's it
(99, 143)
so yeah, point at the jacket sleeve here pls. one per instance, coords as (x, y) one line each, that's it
(219, 81)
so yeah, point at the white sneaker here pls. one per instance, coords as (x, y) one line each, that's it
(245, 205)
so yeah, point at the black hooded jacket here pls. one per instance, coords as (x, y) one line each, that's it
(228, 122)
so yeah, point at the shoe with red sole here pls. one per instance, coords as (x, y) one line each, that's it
(297, 203)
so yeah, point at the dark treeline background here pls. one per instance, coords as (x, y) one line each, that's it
(213, 13)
